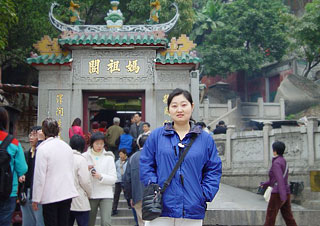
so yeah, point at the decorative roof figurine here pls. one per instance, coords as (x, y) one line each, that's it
(180, 46)
(74, 14)
(165, 27)
(47, 46)
(155, 12)
(114, 18)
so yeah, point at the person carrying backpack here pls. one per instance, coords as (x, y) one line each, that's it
(12, 165)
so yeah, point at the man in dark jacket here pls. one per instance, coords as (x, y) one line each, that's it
(221, 128)
(137, 127)
(132, 181)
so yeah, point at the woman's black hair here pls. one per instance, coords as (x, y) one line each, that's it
(96, 136)
(123, 150)
(50, 127)
(126, 130)
(142, 140)
(4, 118)
(35, 128)
(77, 143)
(177, 92)
(76, 122)
(279, 147)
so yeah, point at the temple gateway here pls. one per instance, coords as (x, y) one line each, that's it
(97, 72)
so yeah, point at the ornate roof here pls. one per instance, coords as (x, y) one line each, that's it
(114, 38)
(165, 27)
(50, 59)
(175, 59)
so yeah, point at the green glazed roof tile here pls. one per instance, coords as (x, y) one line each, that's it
(175, 59)
(113, 39)
(52, 59)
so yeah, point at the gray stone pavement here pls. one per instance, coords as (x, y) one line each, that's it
(234, 206)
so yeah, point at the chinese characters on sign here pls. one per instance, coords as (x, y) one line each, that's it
(59, 110)
(113, 66)
(133, 66)
(166, 110)
(94, 66)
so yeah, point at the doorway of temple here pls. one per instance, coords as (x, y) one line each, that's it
(104, 106)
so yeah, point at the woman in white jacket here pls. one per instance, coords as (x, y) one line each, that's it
(80, 206)
(103, 170)
(53, 181)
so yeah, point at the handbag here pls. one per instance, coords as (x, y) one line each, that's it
(152, 194)
(22, 196)
(267, 194)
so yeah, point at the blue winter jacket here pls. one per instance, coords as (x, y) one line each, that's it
(196, 181)
(126, 142)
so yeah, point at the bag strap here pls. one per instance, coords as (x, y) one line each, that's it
(168, 181)
(286, 170)
(5, 143)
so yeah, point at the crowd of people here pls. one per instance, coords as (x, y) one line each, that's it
(64, 183)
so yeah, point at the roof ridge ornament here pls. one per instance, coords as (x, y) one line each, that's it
(165, 27)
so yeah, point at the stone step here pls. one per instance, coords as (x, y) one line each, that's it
(122, 203)
(126, 221)
(123, 212)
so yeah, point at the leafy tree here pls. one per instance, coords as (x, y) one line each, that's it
(306, 35)
(253, 34)
(7, 17)
(207, 20)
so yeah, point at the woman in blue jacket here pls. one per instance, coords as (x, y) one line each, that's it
(197, 180)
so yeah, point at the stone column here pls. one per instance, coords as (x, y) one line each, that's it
(228, 153)
(267, 89)
(229, 105)
(266, 143)
(194, 88)
(282, 109)
(206, 110)
(312, 124)
(260, 103)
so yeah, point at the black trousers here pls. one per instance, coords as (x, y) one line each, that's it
(57, 213)
(116, 196)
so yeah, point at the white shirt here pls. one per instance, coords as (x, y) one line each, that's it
(104, 165)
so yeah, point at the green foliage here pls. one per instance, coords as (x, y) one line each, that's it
(305, 35)
(252, 33)
(207, 20)
(8, 17)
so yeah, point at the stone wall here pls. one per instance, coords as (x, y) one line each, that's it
(247, 156)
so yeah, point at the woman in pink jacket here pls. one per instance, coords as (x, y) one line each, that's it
(76, 128)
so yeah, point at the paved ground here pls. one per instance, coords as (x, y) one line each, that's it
(234, 206)
(231, 198)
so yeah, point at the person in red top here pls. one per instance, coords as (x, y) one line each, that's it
(76, 128)
(103, 127)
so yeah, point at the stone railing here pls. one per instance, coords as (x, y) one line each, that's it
(212, 113)
(247, 156)
(251, 151)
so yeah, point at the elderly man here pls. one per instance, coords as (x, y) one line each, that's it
(112, 135)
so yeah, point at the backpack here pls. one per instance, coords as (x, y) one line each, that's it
(5, 169)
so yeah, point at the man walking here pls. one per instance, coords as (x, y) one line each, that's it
(113, 134)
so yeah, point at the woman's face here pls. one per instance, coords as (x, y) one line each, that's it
(180, 109)
(98, 145)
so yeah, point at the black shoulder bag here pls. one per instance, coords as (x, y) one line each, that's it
(152, 194)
